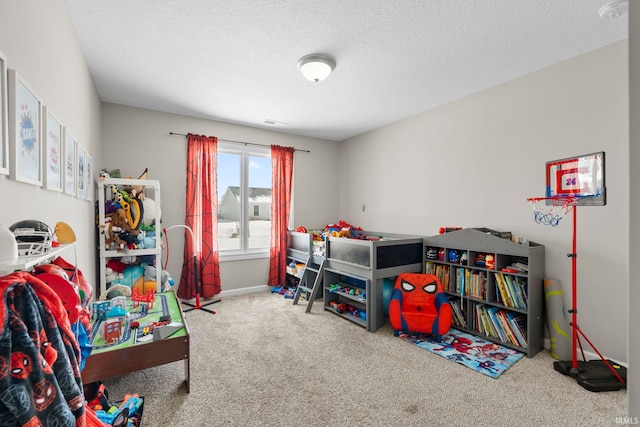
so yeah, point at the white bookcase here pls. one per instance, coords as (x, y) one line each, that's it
(105, 192)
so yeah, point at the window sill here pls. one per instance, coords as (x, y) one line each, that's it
(241, 256)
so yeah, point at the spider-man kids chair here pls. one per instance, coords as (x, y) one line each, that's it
(418, 304)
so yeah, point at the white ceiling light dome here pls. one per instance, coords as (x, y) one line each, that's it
(316, 67)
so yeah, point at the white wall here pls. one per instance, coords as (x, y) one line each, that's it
(633, 379)
(40, 43)
(135, 139)
(473, 163)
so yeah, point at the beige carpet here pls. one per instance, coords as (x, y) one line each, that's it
(261, 361)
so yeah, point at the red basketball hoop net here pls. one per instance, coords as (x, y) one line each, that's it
(550, 210)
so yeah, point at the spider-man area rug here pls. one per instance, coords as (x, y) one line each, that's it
(473, 352)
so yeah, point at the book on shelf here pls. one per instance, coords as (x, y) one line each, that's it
(479, 284)
(518, 322)
(458, 313)
(502, 290)
(497, 327)
(480, 322)
(520, 266)
(444, 276)
(459, 281)
(524, 290)
(467, 281)
(485, 322)
(515, 293)
(506, 327)
(441, 272)
(430, 268)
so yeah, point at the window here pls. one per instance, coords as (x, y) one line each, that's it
(244, 200)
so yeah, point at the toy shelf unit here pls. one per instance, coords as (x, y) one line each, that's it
(301, 245)
(494, 285)
(346, 296)
(142, 246)
(361, 266)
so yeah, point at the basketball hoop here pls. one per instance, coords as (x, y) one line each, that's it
(550, 210)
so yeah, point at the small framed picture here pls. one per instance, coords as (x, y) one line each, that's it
(52, 159)
(89, 185)
(80, 178)
(4, 118)
(69, 163)
(25, 137)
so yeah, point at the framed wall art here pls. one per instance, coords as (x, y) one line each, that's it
(80, 166)
(25, 138)
(89, 184)
(69, 164)
(52, 157)
(4, 118)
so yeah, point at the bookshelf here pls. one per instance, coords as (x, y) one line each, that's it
(495, 286)
(151, 253)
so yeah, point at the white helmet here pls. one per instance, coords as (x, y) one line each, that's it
(33, 237)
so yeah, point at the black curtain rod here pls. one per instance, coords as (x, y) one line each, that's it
(239, 142)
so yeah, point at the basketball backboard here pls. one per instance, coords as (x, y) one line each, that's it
(582, 177)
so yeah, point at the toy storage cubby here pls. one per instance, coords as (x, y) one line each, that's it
(346, 296)
(298, 250)
(149, 249)
(365, 263)
(503, 306)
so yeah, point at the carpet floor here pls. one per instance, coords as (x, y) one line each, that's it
(261, 361)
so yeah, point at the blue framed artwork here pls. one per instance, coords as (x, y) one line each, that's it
(25, 139)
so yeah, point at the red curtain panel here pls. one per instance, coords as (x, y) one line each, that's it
(201, 215)
(282, 173)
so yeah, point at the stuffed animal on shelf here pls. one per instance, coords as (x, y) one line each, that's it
(112, 276)
(104, 174)
(110, 232)
(150, 273)
(136, 190)
(148, 206)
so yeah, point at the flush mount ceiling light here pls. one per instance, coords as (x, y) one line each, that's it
(316, 67)
(614, 10)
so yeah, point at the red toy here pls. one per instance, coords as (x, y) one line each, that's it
(137, 298)
(418, 304)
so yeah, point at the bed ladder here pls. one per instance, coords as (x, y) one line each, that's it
(311, 281)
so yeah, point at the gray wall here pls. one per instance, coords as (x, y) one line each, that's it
(473, 163)
(40, 43)
(134, 139)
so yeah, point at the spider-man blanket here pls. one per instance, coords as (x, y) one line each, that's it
(40, 382)
(473, 352)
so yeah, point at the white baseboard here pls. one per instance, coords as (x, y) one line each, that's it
(589, 355)
(243, 291)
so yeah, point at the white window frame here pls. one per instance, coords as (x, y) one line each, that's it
(245, 151)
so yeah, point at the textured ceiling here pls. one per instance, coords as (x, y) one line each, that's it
(235, 61)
